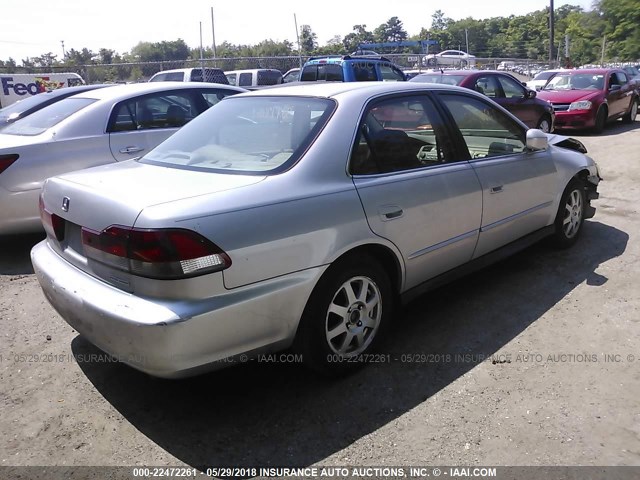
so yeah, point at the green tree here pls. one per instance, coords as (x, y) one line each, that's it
(78, 57)
(390, 31)
(45, 60)
(308, 40)
(360, 34)
(622, 27)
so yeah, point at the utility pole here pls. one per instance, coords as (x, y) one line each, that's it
(295, 21)
(466, 37)
(204, 79)
(64, 54)
(551, 33)
(213, 34)
(604, 39)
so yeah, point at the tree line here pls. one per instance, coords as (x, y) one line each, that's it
(611, 29)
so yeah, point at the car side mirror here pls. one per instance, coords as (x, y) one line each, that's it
(531, 94)
(537, 140)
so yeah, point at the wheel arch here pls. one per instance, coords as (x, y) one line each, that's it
(387, 258)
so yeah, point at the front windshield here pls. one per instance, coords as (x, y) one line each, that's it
(245, 135)
(438, 78)
(544, 75)
(576, 81)
(40, 121)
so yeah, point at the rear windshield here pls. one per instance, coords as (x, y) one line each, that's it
(330, 72)
(15, 109)
(269, 77)
(438, 78)
(251, 135)
(38, 122)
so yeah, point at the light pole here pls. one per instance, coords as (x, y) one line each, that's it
(550, 33)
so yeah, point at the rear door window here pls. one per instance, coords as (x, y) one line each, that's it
(364, 71)
(158, 110)
(245, 79)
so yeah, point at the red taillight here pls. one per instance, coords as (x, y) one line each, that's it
(53, 224)
(7, 160)
(155, 253)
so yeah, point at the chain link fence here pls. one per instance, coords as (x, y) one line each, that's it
(142, 71)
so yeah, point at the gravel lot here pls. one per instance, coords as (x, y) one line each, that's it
(534, 361)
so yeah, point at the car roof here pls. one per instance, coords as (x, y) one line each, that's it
(251, 70)
(332, 89)
(590, 70)
(124, 91)
(346, 58)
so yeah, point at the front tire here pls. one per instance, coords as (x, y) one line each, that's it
(570, 216)
(601, 120)
(544, 124)
(630, 116)
(345, 316)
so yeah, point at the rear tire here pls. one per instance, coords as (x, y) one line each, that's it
(570, 216)
(345, 316)
(630, 116)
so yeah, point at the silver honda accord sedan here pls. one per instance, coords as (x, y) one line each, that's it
(300, 216)
(91, 128)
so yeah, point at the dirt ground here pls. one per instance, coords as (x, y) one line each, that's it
(534, 361)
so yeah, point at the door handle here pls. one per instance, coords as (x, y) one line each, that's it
(131, 149)
(390, 212)
(497, 189)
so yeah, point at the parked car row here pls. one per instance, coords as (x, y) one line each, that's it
(501, 87)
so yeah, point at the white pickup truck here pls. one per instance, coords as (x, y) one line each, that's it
(16, 86)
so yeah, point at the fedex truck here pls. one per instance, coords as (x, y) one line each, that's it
(16, 86)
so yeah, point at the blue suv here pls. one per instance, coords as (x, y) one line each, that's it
(348, 68)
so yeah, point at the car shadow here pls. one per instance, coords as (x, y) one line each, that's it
(15, 258)
(279, 414)
(614, 128)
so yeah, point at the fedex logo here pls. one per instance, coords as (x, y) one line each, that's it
(41, 84)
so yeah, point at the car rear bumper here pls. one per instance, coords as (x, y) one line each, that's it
(19, 213)
(176, 338)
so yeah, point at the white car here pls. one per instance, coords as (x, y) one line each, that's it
(542, 78)
(97, 127)
(456, 58)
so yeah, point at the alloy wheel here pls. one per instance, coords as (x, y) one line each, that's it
(353, 316)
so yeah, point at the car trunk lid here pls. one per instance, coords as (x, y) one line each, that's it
(98, 198)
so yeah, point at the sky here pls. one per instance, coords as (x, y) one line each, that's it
(30, 29)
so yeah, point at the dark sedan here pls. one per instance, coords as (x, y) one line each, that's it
(502, 88)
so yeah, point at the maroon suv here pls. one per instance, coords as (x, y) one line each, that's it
(589, 98)
(504, 89)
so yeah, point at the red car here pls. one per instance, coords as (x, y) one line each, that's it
(589, 98)
(502, 88)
